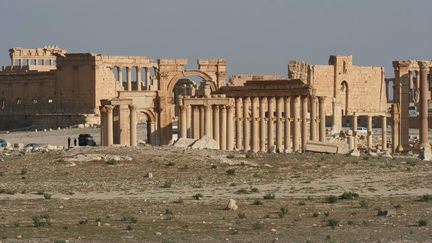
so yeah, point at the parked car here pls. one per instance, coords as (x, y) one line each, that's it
(3, 143)
(86, 140)
(362, 130)
(33, 146)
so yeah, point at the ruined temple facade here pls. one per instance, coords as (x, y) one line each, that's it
(351, 90)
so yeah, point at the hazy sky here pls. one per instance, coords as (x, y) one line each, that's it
(254, 36)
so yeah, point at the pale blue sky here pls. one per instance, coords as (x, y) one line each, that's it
(254, 36)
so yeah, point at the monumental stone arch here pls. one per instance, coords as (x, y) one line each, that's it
(211, 71)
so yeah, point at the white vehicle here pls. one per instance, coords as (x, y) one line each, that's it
(361, 130)
(412, 111)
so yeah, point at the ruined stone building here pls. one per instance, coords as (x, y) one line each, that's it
(48, 87)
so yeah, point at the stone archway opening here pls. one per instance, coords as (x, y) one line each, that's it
(184, 86)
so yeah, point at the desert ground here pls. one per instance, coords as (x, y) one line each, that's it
(168, 194)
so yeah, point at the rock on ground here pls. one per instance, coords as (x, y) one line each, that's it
(184, 142)
(205, 143)
(232, 205)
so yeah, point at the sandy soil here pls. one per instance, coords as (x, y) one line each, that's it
(132, 207)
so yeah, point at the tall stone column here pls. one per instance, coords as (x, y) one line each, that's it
(369, 132)
(304, 137)
(103, 118)
(270, 130)
(196, 122)
(109, 125)
(230, 127)
(322, 117)
(216, 126)
(401, 97)
(279, 105)
(124, 124)
(424, 89)
(129, 78)
(255, 127)
(202, 121)
(183, 124)
(246, 123)
(313, 118)
(287, 135)
(133, 125)
(239, 117)
(138, 78)
(297, 129)
(384, 132)
(263, 105)
(354, 128)
(208, 121)
(337, 117)
(188, 121)
(395, 127)
(120, 75)
(223, 128)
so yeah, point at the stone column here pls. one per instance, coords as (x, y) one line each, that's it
(120, 75)
(230, 127)
(255, 127)
(246, 124)
(202, 121)
(395, 127)
(196, 122)
(270, 130)
(216, 119)
(304, 137)
(239, 115)
(354, 128)
(369, 132)
(103, 117)
(133, 125)
(279, 104)
(129, 78)
(208, 121)
(401, 97)
(124, 124)
(287, 135)
(297, 129)
(188, 121)
(138, 78)
(109, 125)
(223, 132)
(313, 118)
(322, 117)
(183, 124)
(384, 132)
(424, 89)
(263, 105)
(337, 117)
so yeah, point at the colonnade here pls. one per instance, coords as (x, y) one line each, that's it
(256, 123)
(126, 124)
(32, 61)
(369, 134)
(138, 86)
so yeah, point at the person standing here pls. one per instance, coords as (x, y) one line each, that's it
(69, 142)
(75, 142)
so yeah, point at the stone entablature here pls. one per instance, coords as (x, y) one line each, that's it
(44, 56)
(240, 79)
